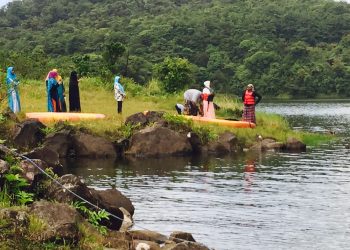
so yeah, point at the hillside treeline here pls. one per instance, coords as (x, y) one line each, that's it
(294, 48)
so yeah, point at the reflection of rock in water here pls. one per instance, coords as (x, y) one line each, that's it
(159, 166)
(87, 167)
(104, 169)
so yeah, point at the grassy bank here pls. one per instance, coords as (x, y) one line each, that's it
(98, 97)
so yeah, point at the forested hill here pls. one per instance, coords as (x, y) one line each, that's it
(299, 48)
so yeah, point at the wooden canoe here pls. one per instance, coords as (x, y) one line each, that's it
(63, 116)
(222, 122)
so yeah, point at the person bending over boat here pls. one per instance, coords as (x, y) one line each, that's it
(208, 97)
(250, 98)
(193, 98)
(179, 108)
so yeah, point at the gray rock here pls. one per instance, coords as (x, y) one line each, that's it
(91, 146)
(158, 141)
(4, 167)
(28, 134)
(179, 237)
(59, 142)
(60, 219)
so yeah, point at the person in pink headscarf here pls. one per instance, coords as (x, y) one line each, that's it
(52, 94)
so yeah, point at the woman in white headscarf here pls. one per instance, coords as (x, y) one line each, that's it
(208, 97)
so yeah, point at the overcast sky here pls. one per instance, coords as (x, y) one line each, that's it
(3, 2)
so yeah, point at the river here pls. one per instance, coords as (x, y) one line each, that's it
(269, 201)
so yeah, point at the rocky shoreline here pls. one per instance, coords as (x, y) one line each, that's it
(38, 157)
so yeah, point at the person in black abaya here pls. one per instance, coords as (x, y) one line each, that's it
(74, 97)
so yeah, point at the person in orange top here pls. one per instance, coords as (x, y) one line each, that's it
(250, 98)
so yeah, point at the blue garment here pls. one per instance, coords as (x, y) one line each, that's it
(118, 85)
(61, 97)
(12, 91)
(52, 97)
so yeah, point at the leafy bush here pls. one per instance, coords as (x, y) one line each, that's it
(93, 217)
(175, 73)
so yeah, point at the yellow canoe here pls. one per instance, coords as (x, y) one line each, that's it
(63, 116)
(222, 122)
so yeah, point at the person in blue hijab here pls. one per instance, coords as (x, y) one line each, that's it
(119, 93)
(12, 90)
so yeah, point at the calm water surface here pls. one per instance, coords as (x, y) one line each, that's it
(270, 201)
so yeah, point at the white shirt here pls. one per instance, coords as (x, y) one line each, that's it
(192, 95)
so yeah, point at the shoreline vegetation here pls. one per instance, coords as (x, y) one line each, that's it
(97, 97)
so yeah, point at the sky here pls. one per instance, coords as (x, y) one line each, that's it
(3, 2)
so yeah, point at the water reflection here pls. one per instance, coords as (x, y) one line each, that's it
(270, 201)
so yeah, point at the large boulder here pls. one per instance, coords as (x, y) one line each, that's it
(267, 144)
(158, 141)
(178, 237)
(61, 221)
(145, 118)
(76, 185)
(59, 142)
(113, 198)
(294, 145)
(28, 134)
(147, 235)
(226, 143)
(196, 142)
(117, 204)
(136, 119)
(86, 145)
(45, 154)
(71, 188)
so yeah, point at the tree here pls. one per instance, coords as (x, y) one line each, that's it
(175, 73)
(112, 51)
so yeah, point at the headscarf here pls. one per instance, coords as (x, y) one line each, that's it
(48, 74)
(53, 74)
(73, 77)
(207, 84)
(250, 86)
(117, 84)
(10, 75)
(59, 79)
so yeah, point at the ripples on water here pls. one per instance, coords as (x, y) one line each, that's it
(274, 201)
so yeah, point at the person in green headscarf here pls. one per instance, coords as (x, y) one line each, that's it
(12, 90)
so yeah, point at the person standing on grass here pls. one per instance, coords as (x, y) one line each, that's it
(12, 90)
(74, 96)
(52, 95)
(61, 94)
(119, 94)
(250, 98)
(208, 97)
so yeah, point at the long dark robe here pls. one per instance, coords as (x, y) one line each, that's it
(74, 96)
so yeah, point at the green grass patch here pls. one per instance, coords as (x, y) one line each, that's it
(98, 97)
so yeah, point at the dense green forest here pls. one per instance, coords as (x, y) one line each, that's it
(295, 48)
